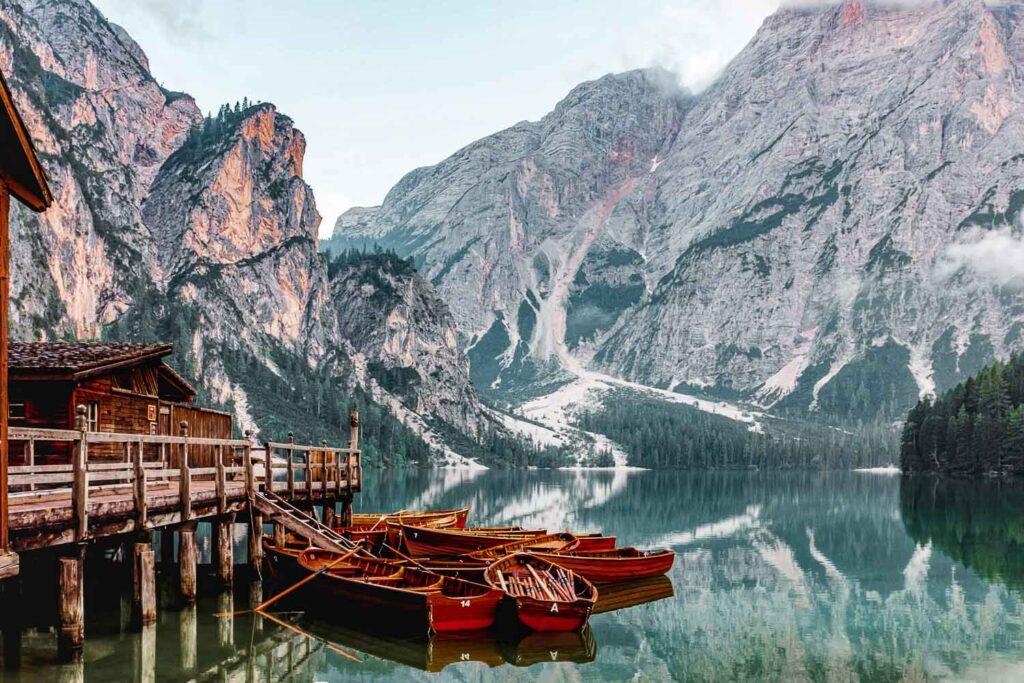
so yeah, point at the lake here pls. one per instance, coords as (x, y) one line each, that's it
(797, 576)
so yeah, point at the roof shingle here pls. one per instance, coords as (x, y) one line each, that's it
(76, 357)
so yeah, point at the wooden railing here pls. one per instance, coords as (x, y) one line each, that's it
(294, 470)
(298, 471)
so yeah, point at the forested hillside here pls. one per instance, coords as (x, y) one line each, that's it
(668, 435)
(976, 428)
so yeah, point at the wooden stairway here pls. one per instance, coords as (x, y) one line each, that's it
(279, 511)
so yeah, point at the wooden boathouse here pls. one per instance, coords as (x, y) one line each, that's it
(105, 448)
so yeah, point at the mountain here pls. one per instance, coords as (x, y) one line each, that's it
(504, 226)
(201, 231)
(783, 238)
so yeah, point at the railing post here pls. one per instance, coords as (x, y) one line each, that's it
(141, 506)
(291, 467)
(31, 458)
(309, 474)
(323, 484)
(185, 490)
(221, 483)
(80, 485)
(353, 451)
(250, 473)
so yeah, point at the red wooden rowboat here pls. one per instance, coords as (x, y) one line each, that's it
(402, 597)
(613, 566)
(550, 543)
(424, 542)
(546, 597)
(455, 519)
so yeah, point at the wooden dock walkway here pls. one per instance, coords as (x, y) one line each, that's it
(168, 484)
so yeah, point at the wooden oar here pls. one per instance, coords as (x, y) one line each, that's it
(266, 603)
(543, 584)
(301, 632)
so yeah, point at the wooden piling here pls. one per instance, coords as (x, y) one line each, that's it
(188, 635)
(145, 654)
(256, 541)
(256, 598)
(346, 510)
(226, 620)
(188, 557)
(144, 585)
(280, 536)
(71, 608)
(329, 515)
(224, 549)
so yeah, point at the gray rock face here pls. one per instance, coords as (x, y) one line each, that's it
(504, 225)
(207, 240)
(786, 244)
(103, 127)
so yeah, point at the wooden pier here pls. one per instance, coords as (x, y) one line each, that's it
(165, 484)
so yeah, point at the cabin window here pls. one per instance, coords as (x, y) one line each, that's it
(17, 413)
(93, 415)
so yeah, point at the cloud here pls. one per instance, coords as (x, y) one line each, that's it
(994, 257)
(695, 38)
(179, 20)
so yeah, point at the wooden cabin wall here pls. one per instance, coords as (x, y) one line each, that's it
(119, 411)
(47, 406)
(5, 205)
(207, 424)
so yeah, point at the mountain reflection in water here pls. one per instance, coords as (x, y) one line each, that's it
(796, 576)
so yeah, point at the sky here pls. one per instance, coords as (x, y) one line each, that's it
(381, 88)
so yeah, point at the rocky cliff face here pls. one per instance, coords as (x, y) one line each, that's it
(203, 233)
(103, 127)
(784, 236)
(504, 225)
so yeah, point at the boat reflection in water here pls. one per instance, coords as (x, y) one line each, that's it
(513, 646)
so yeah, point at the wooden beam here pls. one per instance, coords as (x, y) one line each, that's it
(5, 205)
(144, 585)
(71, 607)
(188, 557)
(224, 549)
(80, 485)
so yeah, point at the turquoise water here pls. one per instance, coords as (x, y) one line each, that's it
(779, 577)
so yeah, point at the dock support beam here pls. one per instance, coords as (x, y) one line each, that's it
(188, 556)
(256, 541)
(346, 510)
(329, 514)
(71, 608)
(224, 549)
(143, 585)
(189, 637)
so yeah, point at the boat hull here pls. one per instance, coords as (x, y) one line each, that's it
(545, 598)
(542, 615)
(418, 601)
(423, 542)
(610, 568)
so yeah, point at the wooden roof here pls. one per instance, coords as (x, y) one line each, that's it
(20, 170)
(78, 360)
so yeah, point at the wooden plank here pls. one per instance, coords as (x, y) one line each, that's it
(114, 437)
(26, 434)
